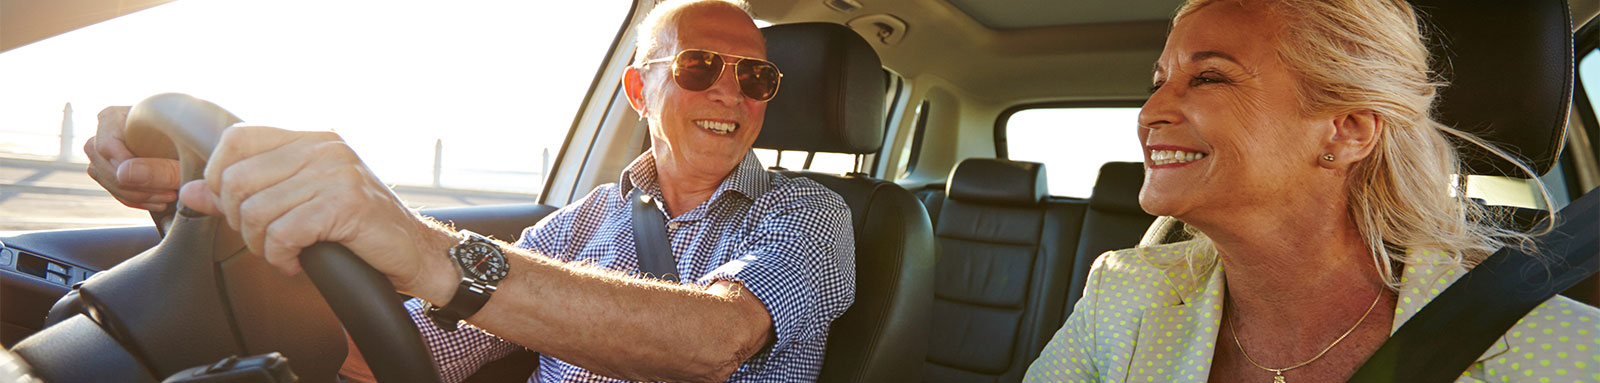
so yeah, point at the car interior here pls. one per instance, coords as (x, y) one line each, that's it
(967, 262)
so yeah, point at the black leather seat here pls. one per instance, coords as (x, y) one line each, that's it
(832, 101)
(932, 196)
(1114, 220)
(1005, 261)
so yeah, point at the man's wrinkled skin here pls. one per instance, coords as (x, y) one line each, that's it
(138, 182)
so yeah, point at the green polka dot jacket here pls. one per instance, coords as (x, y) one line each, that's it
(1147, 315)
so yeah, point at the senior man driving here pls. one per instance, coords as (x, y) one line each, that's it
(764, 262)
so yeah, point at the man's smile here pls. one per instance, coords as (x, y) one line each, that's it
(718, 127)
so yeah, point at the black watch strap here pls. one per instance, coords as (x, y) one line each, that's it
(469, 298)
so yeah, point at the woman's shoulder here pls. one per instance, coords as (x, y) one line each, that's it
(1145, 259)
(1170, 268)
(1559, 340)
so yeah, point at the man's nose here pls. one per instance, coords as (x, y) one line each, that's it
(726, 89)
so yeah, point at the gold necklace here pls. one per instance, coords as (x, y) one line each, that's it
(1278, 377)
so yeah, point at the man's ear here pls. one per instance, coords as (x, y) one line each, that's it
(633, 85)
(1354, 136)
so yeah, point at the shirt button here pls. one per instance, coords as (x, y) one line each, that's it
(674, 225)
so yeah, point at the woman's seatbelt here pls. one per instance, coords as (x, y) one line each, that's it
(1449, 334)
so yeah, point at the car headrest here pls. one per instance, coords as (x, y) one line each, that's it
(831, 95)
(994, 181)
(1117, 189)
(1509, 65)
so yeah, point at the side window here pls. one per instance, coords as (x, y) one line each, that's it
(458, 105)
(1072, 142)
(825, 162)
(909, 154)
(1589, 75)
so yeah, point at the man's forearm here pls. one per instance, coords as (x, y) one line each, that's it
(621, 326)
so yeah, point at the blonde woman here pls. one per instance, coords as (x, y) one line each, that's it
(1295, 136)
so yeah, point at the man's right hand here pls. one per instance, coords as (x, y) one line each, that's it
(143, 183)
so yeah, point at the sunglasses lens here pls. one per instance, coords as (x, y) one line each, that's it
(757, 79)
(697, 70)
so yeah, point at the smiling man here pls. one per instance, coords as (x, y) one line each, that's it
(764, 263)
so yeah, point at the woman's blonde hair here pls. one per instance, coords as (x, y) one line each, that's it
(1371, 55)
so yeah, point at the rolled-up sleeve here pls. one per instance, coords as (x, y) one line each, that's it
(458, 354)
(800, 263)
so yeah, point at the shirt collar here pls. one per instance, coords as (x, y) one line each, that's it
(748, 179)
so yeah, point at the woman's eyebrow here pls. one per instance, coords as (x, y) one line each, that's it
(1199, 56)
(1206, 55)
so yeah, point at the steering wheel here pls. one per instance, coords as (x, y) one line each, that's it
(187, 128)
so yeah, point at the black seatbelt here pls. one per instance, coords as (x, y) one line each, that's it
(650, 238)
(1449, 334)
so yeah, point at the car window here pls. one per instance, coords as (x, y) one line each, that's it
(1073, 142)
(455, 105)
(1589, 74)
(910, 152)
(824, 162)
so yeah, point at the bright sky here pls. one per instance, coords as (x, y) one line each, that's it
(1590, 72)
(1073, 143)
(498, 80)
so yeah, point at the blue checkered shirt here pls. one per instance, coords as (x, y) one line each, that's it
(786, 239)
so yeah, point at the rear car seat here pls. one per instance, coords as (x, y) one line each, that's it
(932, 197)
(1005, 258)
(1114, 220)
(1013, 260)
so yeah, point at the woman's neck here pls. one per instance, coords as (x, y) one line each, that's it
(1321, 267)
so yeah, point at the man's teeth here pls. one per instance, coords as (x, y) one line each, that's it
(1163, 157)
(717, 127)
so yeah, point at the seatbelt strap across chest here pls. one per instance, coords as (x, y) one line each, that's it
(650, 240)
(1449, 334)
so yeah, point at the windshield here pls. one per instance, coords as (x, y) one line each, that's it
(458, 103)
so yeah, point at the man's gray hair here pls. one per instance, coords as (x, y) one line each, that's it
(660, 28)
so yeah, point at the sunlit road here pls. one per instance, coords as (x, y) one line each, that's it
(43, 195)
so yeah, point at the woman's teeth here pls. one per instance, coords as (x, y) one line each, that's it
(1163, 157)
(717, 127)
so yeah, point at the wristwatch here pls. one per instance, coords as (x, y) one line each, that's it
(482, 265)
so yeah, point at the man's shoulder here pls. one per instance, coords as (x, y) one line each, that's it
(793, 191)
(595, 202)
(599, 196)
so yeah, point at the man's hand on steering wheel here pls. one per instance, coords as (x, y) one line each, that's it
(138, 182)
(286, 190)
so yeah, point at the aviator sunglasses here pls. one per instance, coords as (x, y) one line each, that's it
(697, 69)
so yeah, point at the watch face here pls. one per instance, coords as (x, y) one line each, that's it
(481, 261)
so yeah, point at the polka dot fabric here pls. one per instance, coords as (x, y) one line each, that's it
(1151, 315)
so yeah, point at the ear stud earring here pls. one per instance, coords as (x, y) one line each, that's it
(1327, 157)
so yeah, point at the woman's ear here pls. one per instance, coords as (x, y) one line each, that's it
(633, 85)
(1354, 136)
